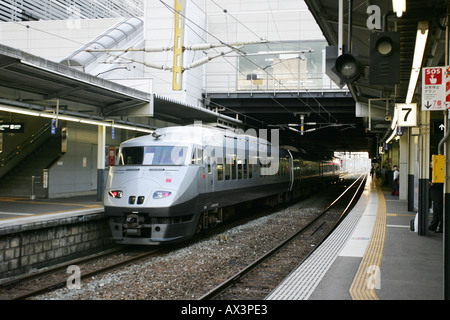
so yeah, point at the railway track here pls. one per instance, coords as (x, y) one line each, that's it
(259, 278)
(57, 277)
(50, 279)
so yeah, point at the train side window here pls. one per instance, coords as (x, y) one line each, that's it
(246, 169)
(210, 159)
(250, 171)
(197, 156)
(263, 167)
(220, 169)
(234, 168)
(227, 169)
(239, 169)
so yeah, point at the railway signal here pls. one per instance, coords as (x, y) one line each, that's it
(348, 68)
(384, 58)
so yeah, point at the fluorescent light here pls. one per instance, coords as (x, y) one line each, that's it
(399, 7)
(394, 121)
(96, 122)
(144, 130)
(421, 41)
(19, 110)
(122, 126)
(68, 118)
(45, 114)
(394, 132)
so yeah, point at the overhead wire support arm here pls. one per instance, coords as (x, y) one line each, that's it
(194, 47)
(147, 64)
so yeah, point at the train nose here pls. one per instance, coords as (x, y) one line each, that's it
(134, 191)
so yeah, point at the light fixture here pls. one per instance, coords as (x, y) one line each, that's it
(394, 132)
(19, 110)
(96, 122)
(45, 114)
(399, 6)
(421, 41)
(395, 119)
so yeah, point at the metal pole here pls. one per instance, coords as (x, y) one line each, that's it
(341, 28)
(411, 169)
(424, 145)
(446, 213)
(101, 161)
(350, 9)
(33, 196)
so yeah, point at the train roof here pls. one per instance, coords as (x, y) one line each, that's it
(208, 135)
(193, 134)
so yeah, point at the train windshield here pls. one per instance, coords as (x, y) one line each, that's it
(153, 156)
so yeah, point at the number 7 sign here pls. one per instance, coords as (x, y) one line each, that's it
(407, 114)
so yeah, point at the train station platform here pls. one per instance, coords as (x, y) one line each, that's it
(36, 234)
(21, 210)
(372, 255)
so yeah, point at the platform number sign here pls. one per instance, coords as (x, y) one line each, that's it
(433, 88)
(407, 114)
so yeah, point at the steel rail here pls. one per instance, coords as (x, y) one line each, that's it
(236, 277)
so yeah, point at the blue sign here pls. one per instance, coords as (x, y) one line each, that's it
(113, 132)
(53, 127)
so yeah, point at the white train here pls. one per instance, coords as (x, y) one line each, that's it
(178, 181)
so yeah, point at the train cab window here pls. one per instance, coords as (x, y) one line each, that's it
(131, 156)
(152, 155)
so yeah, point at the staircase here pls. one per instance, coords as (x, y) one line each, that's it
(18, 181)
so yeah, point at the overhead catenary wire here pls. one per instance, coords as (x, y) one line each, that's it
(336, 124)
(234, 49)
(262, 68)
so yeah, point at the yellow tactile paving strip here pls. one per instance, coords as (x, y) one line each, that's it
(364, 283)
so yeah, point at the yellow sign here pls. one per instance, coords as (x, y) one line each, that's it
(438, 168)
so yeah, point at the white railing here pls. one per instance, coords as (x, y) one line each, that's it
(286, 82)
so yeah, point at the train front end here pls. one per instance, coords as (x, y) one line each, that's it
(145, 193)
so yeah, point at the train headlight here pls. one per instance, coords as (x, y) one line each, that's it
(116, 194)
(161, 194)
